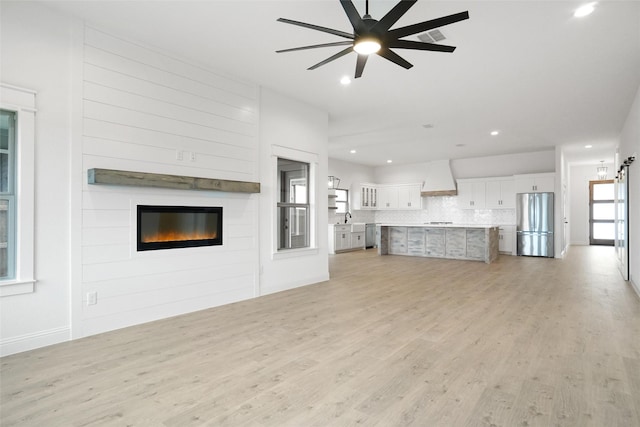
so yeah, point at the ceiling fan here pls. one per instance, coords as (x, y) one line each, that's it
(373, 36)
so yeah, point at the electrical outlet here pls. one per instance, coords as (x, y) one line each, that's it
(92, 298)
(179, 155)
(192, 156)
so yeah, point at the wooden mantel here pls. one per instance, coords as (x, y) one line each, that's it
(176, 182)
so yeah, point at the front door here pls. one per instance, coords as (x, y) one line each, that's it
(601, 212)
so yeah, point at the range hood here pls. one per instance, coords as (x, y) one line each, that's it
(439, 180)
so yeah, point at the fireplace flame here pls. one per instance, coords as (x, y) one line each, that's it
(175, 236)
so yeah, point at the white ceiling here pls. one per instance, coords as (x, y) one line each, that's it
(526, 68)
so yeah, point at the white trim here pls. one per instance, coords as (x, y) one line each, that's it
(24, 103)
(292, 285)
(35, 340)
(18, 88)
(635, 287)
(278, 151)
(16, 287)
(293, 253)
(76, 179)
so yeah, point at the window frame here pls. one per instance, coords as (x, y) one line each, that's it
(295, 205)
(10, 197)
(312, 159)
(341, 202)
(23, 102)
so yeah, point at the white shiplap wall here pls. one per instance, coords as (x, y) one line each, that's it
(140, 107)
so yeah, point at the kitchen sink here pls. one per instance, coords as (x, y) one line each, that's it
(357, 227)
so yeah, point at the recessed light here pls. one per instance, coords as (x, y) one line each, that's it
(588, 146)
(389, 161)
(428, 126)
(494, 133)
(353, 151)
(459, 145)
(584, 10)
(345, 80)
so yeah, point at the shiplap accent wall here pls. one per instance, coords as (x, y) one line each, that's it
(141, 108)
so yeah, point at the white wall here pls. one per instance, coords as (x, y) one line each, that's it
(108, 102)
(477, 167)
(140, 107)
(292, 128)
(351, 174)
(37, 54)
(630, 146)
(504, 165)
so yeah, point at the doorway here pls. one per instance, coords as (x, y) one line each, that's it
(601, 212)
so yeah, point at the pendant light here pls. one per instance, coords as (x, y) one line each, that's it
(602, 171)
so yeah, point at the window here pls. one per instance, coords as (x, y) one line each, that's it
(293, 204)
(342, 201)
(7, 194)
(17, 154)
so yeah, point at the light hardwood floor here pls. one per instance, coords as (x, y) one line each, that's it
(388, 341)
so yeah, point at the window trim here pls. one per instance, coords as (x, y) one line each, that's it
(23, 103)
(312, 159)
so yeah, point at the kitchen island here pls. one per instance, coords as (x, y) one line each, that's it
(455, 241)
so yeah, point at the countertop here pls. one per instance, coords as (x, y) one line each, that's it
(429, 225)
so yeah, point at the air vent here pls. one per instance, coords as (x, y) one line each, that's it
(432, 36)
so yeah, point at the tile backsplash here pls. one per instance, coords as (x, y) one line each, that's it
(441, 208)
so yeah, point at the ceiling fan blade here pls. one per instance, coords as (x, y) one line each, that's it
(394, 14)
(395, 58)
(293, 49)
(428, 25)
(410, 44)
(317, 28)
(362, 60)
(353, 15)
(332, 58)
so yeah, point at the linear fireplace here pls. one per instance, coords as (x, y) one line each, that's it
(169, 227)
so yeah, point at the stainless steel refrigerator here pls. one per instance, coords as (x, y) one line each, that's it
(534, 224)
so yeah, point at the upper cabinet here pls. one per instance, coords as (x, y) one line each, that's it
(500, 193)
(383, 196)
(388, 196)
(364, 197)
(471, 193)
(409, 196)
(535, 183)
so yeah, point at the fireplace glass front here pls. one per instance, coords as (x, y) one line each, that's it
(169, 227)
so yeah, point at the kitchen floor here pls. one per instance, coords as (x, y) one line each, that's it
(388, 341)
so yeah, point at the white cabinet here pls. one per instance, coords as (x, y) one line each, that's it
(339, 238)
(471, 194)
(383, 196)
(357, 240)
(364, 196)
(500, 193)
(535, 183)
(409, 197)
(388, 197)
(506, 238)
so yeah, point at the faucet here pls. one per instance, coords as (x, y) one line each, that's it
(345, 216)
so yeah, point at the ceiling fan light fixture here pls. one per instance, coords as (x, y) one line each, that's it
(584, 10)
(367, 45)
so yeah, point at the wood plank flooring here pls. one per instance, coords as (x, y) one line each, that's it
(388, 341)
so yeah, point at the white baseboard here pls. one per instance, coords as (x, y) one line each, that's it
(266, 290)
(635, 286)
(35, 340)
